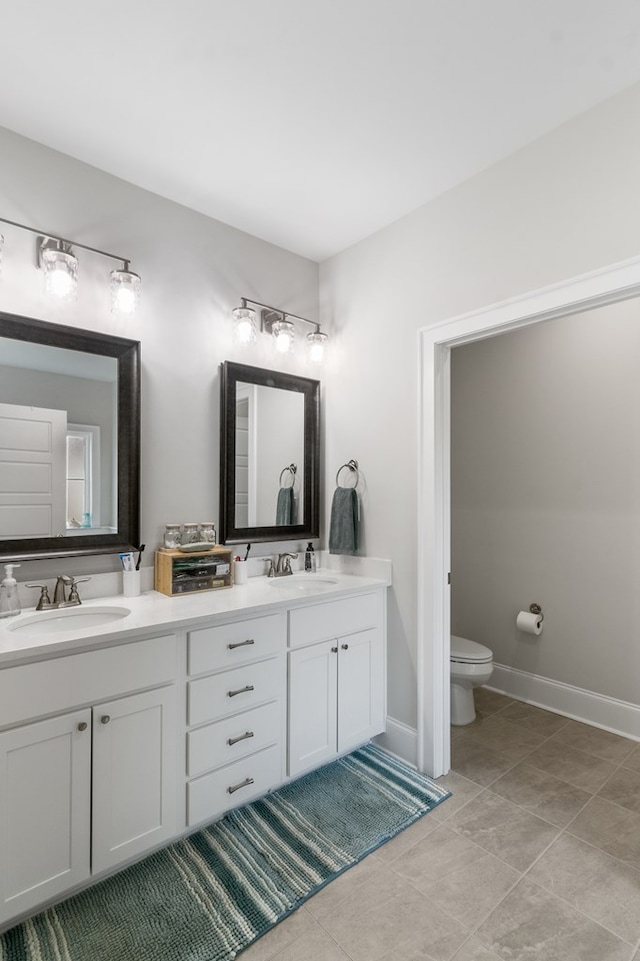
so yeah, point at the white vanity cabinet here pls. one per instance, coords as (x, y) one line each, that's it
(336, 678)
(85, 789)
(235, 713)
(111, 746)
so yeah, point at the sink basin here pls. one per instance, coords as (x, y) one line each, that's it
(304, 583)
(67, 619)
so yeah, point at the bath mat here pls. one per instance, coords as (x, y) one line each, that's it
(210, 895)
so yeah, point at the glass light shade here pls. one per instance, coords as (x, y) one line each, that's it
(316, 344)
(284, 335)
(245, 324)
(60, 274)
(125, 292)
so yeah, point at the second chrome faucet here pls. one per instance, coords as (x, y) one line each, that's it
(282, 566)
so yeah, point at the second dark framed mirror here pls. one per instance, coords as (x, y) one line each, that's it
(269, 455)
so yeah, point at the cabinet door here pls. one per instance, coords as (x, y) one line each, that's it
(313, 679)
(360, 688)
(45, 801)
(134, 776)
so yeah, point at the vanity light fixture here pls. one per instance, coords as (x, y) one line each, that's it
(284, 336)
(245, 324)
(56, 257)
(278, 323)
(60, 268)
(125, 290)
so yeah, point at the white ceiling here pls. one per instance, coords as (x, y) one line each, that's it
(309, 123)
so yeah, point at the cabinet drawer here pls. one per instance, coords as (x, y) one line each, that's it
(230, 692)
(334, 619)
(45, 687)
(212, 795)
(228, 644)
(233, 738)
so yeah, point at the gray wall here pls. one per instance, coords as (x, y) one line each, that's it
(545, 470)
(194, 271)
(566, 205)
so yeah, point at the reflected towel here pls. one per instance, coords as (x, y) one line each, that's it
(343, 531)
(285, 512)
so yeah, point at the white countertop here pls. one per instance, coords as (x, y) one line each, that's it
(156, 613)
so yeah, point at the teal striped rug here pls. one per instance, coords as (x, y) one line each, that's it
(207, 897)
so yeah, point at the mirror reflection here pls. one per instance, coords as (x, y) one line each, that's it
(58, 441)
(269, 456)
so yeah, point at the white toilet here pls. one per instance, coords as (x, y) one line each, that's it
(471, 665)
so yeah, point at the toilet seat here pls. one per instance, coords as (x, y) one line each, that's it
(464, 651)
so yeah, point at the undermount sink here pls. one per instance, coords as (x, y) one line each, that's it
(305, 583)
(67, 619)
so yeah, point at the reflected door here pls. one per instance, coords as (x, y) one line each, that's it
(32, 471)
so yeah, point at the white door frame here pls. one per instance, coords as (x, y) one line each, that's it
(605, 286)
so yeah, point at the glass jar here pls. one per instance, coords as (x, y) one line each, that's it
(191, 534)
(172, 536)
(208, 532)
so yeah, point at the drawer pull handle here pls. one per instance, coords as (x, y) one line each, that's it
(236, 787)
(345, 647)
(246, 643)
(105, 719)
(82, 726)
(242, 690)
(334, 650)
(241, 737)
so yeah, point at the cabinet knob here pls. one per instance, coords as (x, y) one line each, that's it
(334, 650)
(345, 647)
(105, 719)
(82, 726)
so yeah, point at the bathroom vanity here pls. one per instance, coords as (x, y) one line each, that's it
(121, 735)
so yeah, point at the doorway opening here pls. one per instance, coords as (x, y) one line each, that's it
(597, 289)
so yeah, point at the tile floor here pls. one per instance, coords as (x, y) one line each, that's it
(536, 857)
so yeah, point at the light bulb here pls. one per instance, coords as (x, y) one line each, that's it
(60, 274)
(125, 292)
(245, 325)
(316, 344)
(283, 336)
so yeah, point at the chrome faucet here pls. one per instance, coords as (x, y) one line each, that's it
(283, 567)
(59, 595)
(60, 598)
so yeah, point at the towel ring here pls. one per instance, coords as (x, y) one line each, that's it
(292, 470)
(351, 465)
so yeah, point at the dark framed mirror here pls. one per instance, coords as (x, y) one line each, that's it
(269, 455)
(69, 440)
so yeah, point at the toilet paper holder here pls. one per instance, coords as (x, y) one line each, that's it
(536, 609)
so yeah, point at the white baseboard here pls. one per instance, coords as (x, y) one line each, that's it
(619, 717)
(401, 740)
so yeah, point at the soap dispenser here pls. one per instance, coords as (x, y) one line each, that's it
(9, 600)
(309, 559)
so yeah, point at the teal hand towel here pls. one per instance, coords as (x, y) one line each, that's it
(343, 530)
(285, 507)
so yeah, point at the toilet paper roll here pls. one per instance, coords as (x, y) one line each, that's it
(529, 623)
